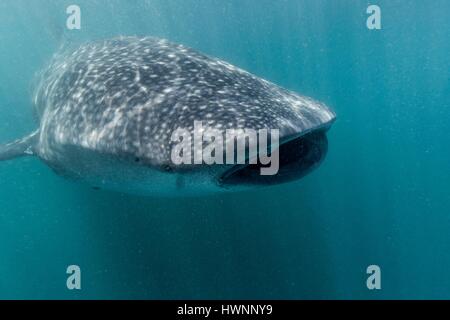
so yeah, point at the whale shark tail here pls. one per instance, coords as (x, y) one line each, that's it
(19, 148)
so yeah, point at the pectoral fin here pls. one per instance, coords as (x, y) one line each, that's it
(19, 148)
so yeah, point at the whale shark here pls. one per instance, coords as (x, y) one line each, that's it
(107, 109)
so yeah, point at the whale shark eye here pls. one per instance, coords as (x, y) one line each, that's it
(168, 168)
(297, 158)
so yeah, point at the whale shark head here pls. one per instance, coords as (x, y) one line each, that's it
(121, 113)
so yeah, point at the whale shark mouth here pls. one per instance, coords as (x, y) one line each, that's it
(297, 158)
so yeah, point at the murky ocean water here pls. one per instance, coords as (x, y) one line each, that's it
(381, 196)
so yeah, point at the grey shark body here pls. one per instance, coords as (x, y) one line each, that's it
(107, 111)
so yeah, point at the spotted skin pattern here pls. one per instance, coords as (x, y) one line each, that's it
(126, 96)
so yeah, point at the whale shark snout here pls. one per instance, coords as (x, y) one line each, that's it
(297, 158)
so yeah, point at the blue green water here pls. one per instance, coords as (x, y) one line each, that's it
(381, 197)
